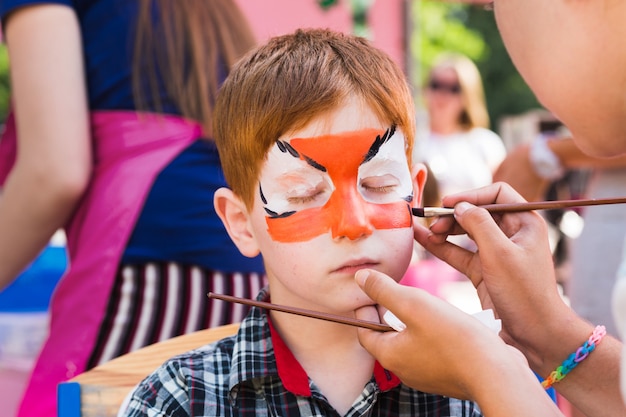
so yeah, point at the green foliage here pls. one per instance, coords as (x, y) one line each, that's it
(442, 26)
(359, 8)
(327, 4)
(4, 82)
(505, 90)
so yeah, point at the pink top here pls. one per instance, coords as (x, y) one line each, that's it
(130, 150)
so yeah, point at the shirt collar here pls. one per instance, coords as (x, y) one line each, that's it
(260, 352)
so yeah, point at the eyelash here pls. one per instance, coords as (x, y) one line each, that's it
(381, 190)
(309, 198)
(303, 199)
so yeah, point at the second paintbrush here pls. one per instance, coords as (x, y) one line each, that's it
(306, 313)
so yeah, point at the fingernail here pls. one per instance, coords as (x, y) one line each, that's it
(461, 207)
(361, 276)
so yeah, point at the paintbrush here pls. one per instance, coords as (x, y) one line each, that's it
(517, 207)
(306, 313)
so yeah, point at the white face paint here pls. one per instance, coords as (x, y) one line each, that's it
(290, 183)
(385, 178)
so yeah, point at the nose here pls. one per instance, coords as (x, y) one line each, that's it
(350, 216)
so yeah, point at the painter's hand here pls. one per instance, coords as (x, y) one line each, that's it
(448, 352)
(442, 350)
(512, 269)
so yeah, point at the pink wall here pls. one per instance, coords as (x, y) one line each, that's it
(274, 17)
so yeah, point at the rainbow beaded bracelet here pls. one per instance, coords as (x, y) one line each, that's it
(575, 358)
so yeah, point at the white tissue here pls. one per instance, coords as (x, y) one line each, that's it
(486, 317)
(393, 321)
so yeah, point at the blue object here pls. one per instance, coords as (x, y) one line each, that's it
(550, 391)
(31, 290)
(68, 395)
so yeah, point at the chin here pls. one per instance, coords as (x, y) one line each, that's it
(602, 147)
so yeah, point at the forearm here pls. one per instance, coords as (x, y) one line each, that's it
(32, 207)
(513, 391)
(53, 164)
(593, 386)
(513, 272)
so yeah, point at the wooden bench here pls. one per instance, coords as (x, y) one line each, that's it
(100, 391)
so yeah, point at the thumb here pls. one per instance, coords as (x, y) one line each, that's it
(381, 288)
(480, 225)
(386, 292)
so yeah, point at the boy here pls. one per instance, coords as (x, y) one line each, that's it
(315, 132)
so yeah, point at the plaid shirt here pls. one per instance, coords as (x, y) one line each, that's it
(254, 374)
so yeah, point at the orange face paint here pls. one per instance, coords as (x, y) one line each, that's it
(343, 159)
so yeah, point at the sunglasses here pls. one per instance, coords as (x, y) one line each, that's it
(435, 85)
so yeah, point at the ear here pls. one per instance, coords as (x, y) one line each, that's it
(419, 175)
(234, 214)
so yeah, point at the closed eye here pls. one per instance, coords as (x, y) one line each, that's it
(304, 199)
(383, 184)
(383, 189)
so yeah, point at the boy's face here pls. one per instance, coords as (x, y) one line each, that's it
(347, 184)
(334, 198)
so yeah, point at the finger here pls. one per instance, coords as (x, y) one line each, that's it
(457, 257)
(381, 288)
(368, 313)
(483, 228)
(494, 193)
(498, 192)
(405, 302)
(371, 340)
(443, 227)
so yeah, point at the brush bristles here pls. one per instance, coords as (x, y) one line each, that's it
(432, 211)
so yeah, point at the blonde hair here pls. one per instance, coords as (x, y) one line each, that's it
(186, 46)
(283, 85)
(474, 112)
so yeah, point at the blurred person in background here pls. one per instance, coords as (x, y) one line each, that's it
(459, 148)
(110, 138)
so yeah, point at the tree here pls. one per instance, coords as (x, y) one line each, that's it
(4, 82)
(442, 26)
(506, 91)
(439, 27)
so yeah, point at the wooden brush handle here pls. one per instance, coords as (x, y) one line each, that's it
(547, 205)
(306, 313)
